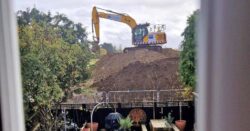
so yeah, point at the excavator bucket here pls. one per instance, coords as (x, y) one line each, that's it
(95, 47)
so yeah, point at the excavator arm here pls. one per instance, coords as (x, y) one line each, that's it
(111, 15)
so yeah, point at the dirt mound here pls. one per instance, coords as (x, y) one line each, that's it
(168, 52)
(111, 64)
(134, 71)
(157, 75)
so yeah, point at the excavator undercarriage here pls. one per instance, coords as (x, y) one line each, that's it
(151, 48)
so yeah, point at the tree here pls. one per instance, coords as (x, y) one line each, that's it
(109, 47)
(187, 65)
(54, 57)
(69, 31)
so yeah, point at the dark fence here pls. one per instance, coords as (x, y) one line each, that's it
(79, 116)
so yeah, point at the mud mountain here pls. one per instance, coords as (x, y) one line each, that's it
(139, 70)
(157, 75)
(142, 69)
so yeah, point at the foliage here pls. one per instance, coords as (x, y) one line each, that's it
(92, 63)
(188, 54)
(169, 118)
(125, 123)
(54, 57)
(110, 48)
(187, 93)
(86, 91)
(103, 52)
(66, 29)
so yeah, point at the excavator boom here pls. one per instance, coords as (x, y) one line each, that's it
(111, 15)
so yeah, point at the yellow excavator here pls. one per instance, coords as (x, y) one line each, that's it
(141, 37)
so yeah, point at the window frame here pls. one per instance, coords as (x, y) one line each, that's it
(12, 114)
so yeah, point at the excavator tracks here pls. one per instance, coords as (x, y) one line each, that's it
(151, 48)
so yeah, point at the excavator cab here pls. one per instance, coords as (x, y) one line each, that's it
(143, 38)
(139, 32)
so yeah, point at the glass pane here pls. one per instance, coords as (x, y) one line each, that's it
(66, 74)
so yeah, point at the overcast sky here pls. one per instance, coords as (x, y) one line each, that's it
(172, 13)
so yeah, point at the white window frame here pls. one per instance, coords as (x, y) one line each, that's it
(224, 66)
(10, 82)
(223, 84)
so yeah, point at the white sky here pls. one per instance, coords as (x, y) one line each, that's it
(172, 13)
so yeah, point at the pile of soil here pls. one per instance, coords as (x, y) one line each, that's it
(139, 70)
(111, 64)
(157, 75)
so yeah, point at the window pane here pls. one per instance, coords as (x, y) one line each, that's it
(137, 69)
